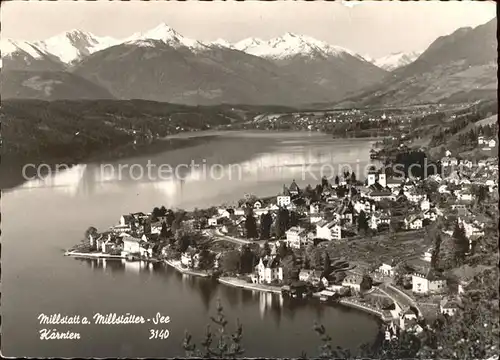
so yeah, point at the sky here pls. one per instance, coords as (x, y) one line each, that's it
(368, 28)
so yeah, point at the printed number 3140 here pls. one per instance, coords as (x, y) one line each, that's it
(158, 334)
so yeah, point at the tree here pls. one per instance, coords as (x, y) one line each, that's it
(461, 243)
(146, 227)
(362, 222)
(353, 178)
(163, 211)
(230, 261)
(281, 223)
(283, 250)
(251, 227)
(206, 259)
(226, 345)
(337, 180)
(90, 231)
(366, 283)
(481, 194)
(315, 259)
(294, 219)
(324, 182)
(248, 260)
(170, 217)
(164, 231)
(266, 221)
(155, 213)
(289, 270)
(266, 250)
(327, 267)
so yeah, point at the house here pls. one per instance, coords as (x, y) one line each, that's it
(428, 282)
(492, 143)
(413, 222)
(394, 183)
(313, 277)
(353, 281)
(379, 195)
(315, 218)
(425, 205)
(131, 245)
(296, 237)
(387, 269)
(407, 318)
(190, 258)
(379, 218)
(294, 188)
(374, 178)
(146, 249)
(314, 208)
(257, 204)
(213, 221)
(103, 243)
(431, 214)
(463, 195)
(328, 230)
(268, 270)
(448, 306)
(364, 205)
(225, 213)
(472, 229)
(414, 197)
(283, 200)
(481, 140)
(305, 274)
(449, 161)
(126, 220)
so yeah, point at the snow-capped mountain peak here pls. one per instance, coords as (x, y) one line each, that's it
(9, 46)
(289, 45)
(248, 43)
(167, 35)
(72, 45)
(396, 60)
(222, 43)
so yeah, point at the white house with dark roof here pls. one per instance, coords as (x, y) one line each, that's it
(268, 270)
(328, 230)
(414, 222)
(449, 306)
(296, 237)
(379, 217)
(131, 244)
(428, 282)
(353, 281)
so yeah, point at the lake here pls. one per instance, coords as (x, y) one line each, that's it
(42, 218)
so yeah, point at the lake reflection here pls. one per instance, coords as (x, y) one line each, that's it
(41, 219)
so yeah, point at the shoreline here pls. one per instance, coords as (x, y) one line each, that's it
(186, 271)
(234, 282)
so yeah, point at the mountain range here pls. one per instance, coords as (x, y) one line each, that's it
(163, 65)
(458, 67)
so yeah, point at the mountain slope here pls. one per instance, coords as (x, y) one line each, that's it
(48, 85)
(23, 55)
(457, 67)
(192, 73)
(337, 70)
(74, 45)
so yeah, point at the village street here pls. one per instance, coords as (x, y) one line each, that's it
(398, 296)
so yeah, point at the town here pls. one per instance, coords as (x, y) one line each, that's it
(393, 247)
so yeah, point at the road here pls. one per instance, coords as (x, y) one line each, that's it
(221, 237)
(400, 297)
